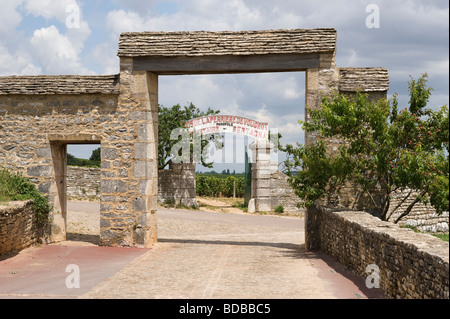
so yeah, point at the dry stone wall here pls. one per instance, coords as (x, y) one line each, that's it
(176, 185)
(83, 182)
(18, 228)
(423, 217)
(411, 265)
(283, 194)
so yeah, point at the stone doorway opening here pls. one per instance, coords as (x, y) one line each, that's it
(83, 193)
(73, 220)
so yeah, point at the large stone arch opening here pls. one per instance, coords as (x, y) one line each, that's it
(121, 111)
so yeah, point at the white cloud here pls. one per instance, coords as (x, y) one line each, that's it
(55, 52)
(49, 8)
(103, 55)
(10, 18)
(19, 63)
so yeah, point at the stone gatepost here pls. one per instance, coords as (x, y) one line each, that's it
(262, 168)
(320, 82)
(129, 194)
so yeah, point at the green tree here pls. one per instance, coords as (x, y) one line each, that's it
(384, 149)
(82, 162)
(170, 118)
(95, 156)
(72, 160)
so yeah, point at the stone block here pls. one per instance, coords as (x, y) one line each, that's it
(263, 205)
(145, 151)
(109, 153)
(263, 183)
(40, 170)
(263, 192)
(146, 132)
(112, 186)
(44, 152)
(107, 198)
(139, 204)
(251, 206)
(145, 169)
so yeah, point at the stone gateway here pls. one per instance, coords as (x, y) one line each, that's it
(40, 115)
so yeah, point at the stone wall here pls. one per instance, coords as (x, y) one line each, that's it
(83, 182)
(422, 216)
(176, 185)
(18, 228)
(283, 194)
(40, 115)
(411, 265)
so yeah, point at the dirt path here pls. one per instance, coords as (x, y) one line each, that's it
(222, 205)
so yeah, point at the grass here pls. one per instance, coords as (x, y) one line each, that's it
(442, 236)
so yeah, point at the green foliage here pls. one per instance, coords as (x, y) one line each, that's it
(279, 209)
(15, 187)
(442, 236)
(96, 156)
(384, 150)
(172, 118)
(93, 161)
(215, 186)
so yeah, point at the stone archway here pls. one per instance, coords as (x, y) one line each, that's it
(146, 55)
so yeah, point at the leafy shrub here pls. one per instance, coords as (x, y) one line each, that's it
(15, 187)
(279, 209)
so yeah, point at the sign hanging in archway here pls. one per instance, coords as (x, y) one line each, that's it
(228, 124)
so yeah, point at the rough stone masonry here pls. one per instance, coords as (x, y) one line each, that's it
(40, 115)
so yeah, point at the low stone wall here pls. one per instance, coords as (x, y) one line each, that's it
(411, 265)
(83, 182)
(422, 216)
(18, 228)
(177, 185)
(283, 194)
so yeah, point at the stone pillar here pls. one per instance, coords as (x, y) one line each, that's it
(262, 168)
(320, 82)
(129, 179)
(57, 194)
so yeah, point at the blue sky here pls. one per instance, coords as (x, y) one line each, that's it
(412, 38)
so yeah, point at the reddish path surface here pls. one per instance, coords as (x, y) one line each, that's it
(40, 272)
(199, 255)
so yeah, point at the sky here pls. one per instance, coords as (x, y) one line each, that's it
(408, 37)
